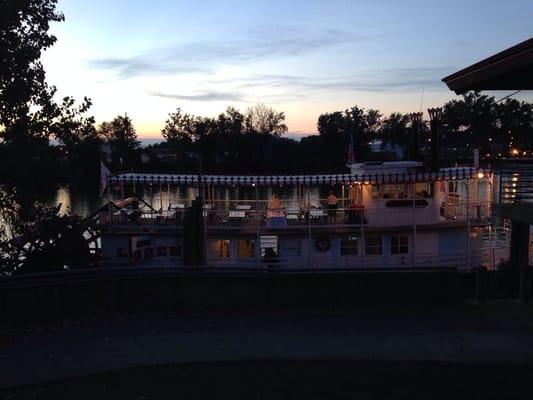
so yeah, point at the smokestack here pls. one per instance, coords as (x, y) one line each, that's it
(414, 142)
(435, 116)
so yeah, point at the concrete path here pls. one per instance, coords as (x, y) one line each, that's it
(494, 333)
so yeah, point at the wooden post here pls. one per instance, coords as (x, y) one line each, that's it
(481, 285)
(413, 245)
(468, 256)
(519, 257)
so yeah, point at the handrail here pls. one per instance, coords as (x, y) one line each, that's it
(286, 217)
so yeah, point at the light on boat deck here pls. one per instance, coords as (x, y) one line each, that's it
(480, 175)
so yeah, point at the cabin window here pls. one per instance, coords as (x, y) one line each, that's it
(401, 191)
(269, 246)
(399, 244)
(373, 245)
(174, 251)
(349, 246)
(121, 252)
(423, 190)
(222, 248)
(148, 252)
(162, 251)
(245, 248)
(137, 255)
(143, 243)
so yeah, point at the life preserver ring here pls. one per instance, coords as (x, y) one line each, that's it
(323, 243)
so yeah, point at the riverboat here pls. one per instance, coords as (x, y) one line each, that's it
(380, 215)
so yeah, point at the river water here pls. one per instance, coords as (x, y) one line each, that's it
(82, 203)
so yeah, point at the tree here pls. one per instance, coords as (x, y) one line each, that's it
(25, 97)
(264, 120)
(394, 130)
(474, 115)
(231, 122)
(72, 127)
(332, 124)
(514, 125)
(178, 127)
(121, 135)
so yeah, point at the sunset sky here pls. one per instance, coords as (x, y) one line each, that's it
(302, 57)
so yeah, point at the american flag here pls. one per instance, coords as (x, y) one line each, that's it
(350, 159)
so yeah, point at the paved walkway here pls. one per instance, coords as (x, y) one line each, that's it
(494, 333)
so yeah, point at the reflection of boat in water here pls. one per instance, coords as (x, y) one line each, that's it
(387, 215)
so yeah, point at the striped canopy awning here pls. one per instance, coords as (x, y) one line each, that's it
(298, 180)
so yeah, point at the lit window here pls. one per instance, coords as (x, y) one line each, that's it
(399, 244)
(245, 248)
(373, 245)
(349, 246)
(222, 248)
(174, 251)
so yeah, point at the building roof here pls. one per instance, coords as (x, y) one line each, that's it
(510, 69)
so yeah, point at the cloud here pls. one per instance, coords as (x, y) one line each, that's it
(232, 96)
(205, 96)
(268, 42)
(141, 65)
(381, 80)
(281, 89)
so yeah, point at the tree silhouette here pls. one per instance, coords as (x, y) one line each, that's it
(121, 135)
(179, 127)
(25, 96)
(265, 120)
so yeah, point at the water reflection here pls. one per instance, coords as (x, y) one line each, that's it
(82, 203)
(78, 202)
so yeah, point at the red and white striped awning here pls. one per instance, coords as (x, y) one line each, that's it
(298, 180)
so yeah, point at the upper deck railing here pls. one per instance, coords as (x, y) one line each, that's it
(289, 214)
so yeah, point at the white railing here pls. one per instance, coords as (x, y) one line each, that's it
(244, 215)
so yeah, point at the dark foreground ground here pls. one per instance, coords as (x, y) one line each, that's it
(447, 351)
(295, 380)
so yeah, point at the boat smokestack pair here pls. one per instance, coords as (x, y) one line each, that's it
(435, 119)
(414, 141)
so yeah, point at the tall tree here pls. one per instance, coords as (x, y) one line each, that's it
(179, 127)
(514, 125)
(230, 122)
(25, 97)
(265, 120)
(121, 135)
(394, 130)
(474, 114)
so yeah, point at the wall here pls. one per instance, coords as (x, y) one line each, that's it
(77, 293)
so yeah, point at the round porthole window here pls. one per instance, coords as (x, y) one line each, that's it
(323, 243)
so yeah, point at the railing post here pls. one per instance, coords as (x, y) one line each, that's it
(309, 241)
(363, 245)
(468, 266)
(413, 257)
